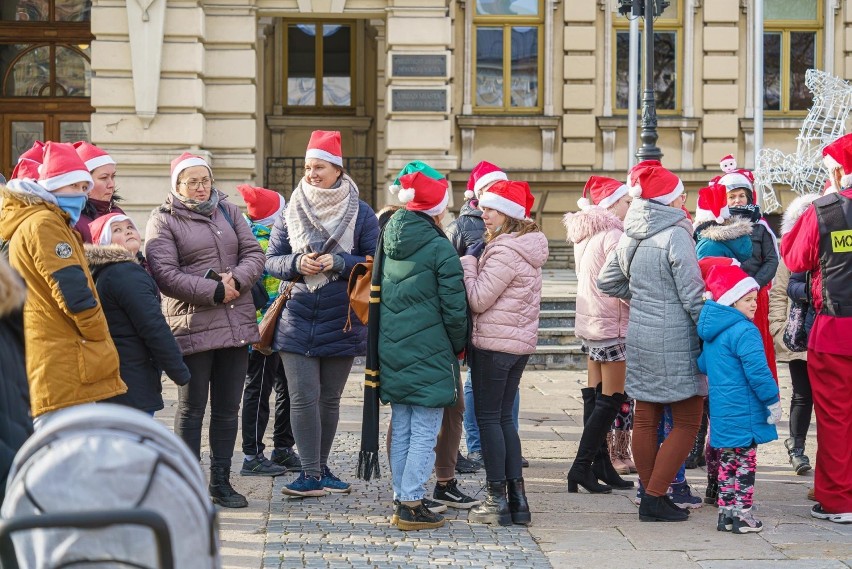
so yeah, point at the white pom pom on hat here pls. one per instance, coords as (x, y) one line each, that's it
(406, 195)
(584, 204)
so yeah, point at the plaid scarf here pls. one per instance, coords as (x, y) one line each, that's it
(322, 221)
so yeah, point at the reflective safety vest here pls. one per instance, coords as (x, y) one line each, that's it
(834, 219)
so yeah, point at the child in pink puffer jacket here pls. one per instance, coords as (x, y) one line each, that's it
(601, 323)
(503, 292)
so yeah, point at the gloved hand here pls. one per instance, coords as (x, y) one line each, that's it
(774, 413)
(476, 249)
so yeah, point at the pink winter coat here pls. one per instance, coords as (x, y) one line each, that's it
(504, 292)
(595, 232)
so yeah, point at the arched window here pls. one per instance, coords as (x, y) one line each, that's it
(45, 74)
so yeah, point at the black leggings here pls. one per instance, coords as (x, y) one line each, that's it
(495, 377)
(219, 373)
(264, 374)
(801, 403)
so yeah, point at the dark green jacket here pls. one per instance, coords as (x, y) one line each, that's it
(423, 324)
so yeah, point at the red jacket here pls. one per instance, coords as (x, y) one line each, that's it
(800, 249)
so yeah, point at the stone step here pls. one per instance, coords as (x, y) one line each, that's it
(561, 302)
(556, 318)
(556, 336)
(566, 356)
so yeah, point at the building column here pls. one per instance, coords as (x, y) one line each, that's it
(579, 92)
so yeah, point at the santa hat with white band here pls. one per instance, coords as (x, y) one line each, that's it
(650, 181)
(483, 174)
(422, 193)
(602, 192)
(92, 156)
(62, 167)
(726, 285)
(325, 145)
(101, 228)
(712, 204)
(838, 156)
(184, 161)
(511, 198)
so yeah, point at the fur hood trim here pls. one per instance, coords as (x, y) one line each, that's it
(733, 228)
(795, 210)
(98, 255)
(13, 293)
(583, 224)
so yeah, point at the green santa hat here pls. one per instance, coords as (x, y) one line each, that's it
(405, 194)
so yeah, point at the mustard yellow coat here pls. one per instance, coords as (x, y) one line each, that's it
(71, 358)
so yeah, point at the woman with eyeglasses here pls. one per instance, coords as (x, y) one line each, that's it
(205, 260)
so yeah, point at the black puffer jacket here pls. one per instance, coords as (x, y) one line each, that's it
(468, 228)
(763, 263)
(145, 344)
(15, 421)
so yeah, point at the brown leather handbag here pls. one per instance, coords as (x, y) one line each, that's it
(359, 292)
(269, 322)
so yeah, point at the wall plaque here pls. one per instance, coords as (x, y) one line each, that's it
(419, 100)
(408, 65)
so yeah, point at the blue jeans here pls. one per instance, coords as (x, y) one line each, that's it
(412, 452)
(471, 429)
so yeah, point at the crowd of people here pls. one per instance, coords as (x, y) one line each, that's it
(682, 320)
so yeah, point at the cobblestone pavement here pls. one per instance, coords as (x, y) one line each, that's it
(569, 530)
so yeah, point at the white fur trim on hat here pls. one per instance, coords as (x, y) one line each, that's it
(440, 207)
(738, 291)
(845, 181)
(488, 178)
(672, 195)
(106, 230)
(323, 155)
(831, 163)
(503, 205)
(584, 203)
(66, 179)
(188, 163)
(613, 197)
(99, 161)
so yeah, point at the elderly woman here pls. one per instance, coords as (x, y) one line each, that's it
(324, 232)
(102, 198)
(655, 266)
(205, 260)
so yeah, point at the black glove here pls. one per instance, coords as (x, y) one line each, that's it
(476, 249)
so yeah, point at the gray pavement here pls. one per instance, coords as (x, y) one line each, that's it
(569, 530)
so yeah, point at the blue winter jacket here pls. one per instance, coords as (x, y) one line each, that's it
(312, 322)
(740, 384)
(731, 239)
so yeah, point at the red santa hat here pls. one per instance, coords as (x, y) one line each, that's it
(708, 263)
(511, 198)
(184, 161)
(92, 156)
(101, 228)
(325, 145)
(482, 174)
(727, 158)
(838, 156)
(712, 204)
(602, 191)
(261, 204)
(726, 285)
(62, 167)
(650, 181)
(35, 153)
(422, 193)
(25, 169)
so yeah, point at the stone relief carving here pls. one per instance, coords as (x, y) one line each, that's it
(146, 20)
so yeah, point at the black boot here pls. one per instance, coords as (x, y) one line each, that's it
(581, 471)
(696, 455)
(711, 495)
(655, 509)
(798, 459)
(221, 491)
(495, 509)
(518, 506)
(606, 409)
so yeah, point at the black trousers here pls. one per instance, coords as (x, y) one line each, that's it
(264, 374)
(219, 374)
(495, 377)
(801, 403)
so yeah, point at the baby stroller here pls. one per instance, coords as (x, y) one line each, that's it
(106, 486)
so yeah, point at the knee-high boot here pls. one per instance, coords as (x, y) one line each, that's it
(606, 408)
(581, 471)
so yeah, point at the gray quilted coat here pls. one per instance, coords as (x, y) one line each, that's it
(655, 266)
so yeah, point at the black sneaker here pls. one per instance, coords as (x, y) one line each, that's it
(745, 522)
(465, 466)
(726, 519)
(418, 517)
(432, 505)
(261, 466)
(450, 495)
(287, 458)
(525, 463)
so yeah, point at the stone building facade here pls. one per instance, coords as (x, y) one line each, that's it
(535, 86)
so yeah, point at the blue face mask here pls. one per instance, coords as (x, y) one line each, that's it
(72, 205)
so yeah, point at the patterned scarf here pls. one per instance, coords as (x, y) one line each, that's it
(322, 221)
(204, 208)
(750, 212)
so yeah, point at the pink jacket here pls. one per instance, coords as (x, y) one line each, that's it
(504, 292)
(595, 232)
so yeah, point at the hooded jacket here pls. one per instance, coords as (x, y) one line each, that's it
(504, 292)
(655, 266)
(71, 358)
(740, 383)
(16, 425)
(181, 246)
(423, 323)
(731, 239)
(144, 341)
(595, 233)
(468, 228)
